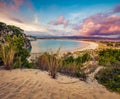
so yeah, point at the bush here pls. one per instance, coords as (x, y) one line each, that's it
(109, 57)
(13, 52)
(7, 55)
(66, 65)
(42, 61)
(110, 78)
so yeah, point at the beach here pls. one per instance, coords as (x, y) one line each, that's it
(87, 46)
(36, 84)
(84, 45)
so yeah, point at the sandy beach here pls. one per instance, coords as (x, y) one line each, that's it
(36, 84)
(85, 45)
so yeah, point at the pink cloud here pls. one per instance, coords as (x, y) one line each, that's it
(107, 25)
(116, 9)
(14, 5)
(10, 9)
(60, 21)
(101, 23)
(65, 22)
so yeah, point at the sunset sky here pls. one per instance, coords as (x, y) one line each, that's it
(63, 17)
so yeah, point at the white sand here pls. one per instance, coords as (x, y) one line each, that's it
(91, 45)
(35, 84)
(87, 46)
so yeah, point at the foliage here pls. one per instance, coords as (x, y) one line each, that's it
(110, 78)
(16, 30)
(53, 63)
(15, 44)
(7, 55)
(42, 61)
(109, 57)
(49, 61)
(66, 64)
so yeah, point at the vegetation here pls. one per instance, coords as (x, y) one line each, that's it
(13, 53)
(49, 62)
(13, 47)
(110, 75)
(7, 55)
(111, 44)
(109, 57)
(110, 78)
(66, 64)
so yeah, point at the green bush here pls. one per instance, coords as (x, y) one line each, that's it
(109, 56)
(110, 78)
(16, 43)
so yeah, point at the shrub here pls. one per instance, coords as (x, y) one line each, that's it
(109, 56)
(66, 65)
(42, 61)
(7, 55)
(13, 52)
(110, 78)
(50, 62)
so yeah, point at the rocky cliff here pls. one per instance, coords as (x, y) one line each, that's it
(13, 30)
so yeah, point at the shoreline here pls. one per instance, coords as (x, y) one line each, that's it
(86, 45)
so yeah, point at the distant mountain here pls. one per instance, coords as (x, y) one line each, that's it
(96, 38)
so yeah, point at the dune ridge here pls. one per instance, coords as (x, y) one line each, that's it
(36, 84)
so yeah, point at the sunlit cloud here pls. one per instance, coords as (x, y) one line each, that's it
(12, 19)
(60, 21)
(101, 23)
(93, 20)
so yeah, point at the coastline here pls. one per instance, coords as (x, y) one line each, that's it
(86, 45)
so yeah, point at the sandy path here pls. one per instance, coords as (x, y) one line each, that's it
(35, 84)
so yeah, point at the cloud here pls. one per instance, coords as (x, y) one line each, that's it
(24, 25)
(107, 25)
(13, 5)
(15, 19)
(36, 19)
(60, 21)
(16, 4)
(9, 13)
(116, 9)
(100, 23)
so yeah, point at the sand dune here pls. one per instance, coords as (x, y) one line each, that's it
(35, 84)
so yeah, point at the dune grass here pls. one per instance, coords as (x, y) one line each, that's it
(66, 64)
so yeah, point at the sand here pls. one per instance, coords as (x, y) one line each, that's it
(91, 45)
(36, 84)
(87, 46)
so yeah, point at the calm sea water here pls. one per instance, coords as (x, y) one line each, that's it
(53, 45)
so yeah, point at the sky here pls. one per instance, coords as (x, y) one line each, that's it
(63, 17)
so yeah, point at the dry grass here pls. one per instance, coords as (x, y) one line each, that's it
(7, 54)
